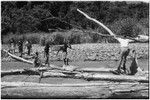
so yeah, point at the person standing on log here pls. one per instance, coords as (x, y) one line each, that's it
(64, 48)
(20, 47)
(125, 50)
(28, 44)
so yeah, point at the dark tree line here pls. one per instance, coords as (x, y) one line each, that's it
(19, 17)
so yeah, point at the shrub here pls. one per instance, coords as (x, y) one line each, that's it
(33, 37)
(74, 37)
(58, 38)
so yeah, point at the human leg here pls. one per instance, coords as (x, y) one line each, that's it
(65, 57)
(125, 59)
(120, 63)
(47, 60)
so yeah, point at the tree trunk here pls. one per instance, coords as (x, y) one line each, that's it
(88, 90)
(77, 74)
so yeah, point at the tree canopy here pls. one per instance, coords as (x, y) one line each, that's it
(19, 17)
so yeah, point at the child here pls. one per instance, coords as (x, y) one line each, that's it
(37, 61)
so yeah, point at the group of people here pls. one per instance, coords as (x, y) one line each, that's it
(48, 45)
(21, 44)
(125, 50)
(124, 46)
(37, 62)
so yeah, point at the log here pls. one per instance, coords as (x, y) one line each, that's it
(97, 76)
(98, 70)
(18, 58)
(84, 90)
(29, 71)
(34, 71)
(49, 72)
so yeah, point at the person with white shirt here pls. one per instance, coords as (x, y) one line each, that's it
(125, 50)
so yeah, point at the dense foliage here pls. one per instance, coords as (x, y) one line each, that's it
(21, 17)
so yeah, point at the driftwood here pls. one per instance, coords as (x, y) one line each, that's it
(18, 58)
(96, 76)
(84, 90)
(48, 72)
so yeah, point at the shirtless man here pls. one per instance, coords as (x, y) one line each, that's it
(63, 48)
(46, 53)
(20, 47)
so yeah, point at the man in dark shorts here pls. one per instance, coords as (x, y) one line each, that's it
(46, 53)
(20, 47)
(63, 48)
(12, 45)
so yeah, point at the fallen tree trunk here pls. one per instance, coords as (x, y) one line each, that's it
(96, 76)
(88, 90)
(34, 71)
(48, 72)
(18, 58)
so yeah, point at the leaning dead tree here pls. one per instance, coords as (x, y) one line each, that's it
(96, 21)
